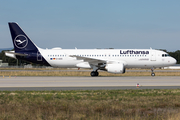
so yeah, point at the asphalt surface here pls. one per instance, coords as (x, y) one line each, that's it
(88, 83)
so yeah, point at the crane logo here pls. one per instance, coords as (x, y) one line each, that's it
(20, 41)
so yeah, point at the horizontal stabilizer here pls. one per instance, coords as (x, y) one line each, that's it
(13, 54)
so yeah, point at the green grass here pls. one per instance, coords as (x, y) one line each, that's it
(86, 104)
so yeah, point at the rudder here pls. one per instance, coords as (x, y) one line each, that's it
(20, 40)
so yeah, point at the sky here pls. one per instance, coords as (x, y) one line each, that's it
(89, 24)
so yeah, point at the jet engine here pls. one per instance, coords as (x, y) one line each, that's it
(115, 68)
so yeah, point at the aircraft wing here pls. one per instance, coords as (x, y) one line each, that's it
(100, 63)
(91, 61)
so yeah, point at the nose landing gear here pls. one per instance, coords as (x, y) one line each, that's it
(152, 72)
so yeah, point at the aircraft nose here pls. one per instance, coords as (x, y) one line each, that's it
(174, 61)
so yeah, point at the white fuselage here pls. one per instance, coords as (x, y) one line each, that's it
(129, 57)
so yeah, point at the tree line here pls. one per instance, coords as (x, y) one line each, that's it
(13, 62)
(175, 55)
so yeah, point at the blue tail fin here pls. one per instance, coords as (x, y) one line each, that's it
(21, 41)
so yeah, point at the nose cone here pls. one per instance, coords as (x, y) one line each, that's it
(173, 61)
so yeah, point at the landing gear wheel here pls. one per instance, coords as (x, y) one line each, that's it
(152, 74)
(94, 73)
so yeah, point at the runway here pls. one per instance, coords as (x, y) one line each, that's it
(88, 83)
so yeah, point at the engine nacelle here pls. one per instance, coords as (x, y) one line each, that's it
(115, 68)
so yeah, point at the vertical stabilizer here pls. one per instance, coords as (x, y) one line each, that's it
(20, 40)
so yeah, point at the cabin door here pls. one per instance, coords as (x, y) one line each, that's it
(153, 56)
(39, 56)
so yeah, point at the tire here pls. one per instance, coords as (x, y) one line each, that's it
(152, 74)
(96, 73)
(93, 74)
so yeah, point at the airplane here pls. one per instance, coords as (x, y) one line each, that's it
(110, 60)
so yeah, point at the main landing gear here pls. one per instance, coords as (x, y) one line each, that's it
(94, 73)
(152, 72)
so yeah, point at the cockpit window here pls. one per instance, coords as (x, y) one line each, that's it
(165, 55)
